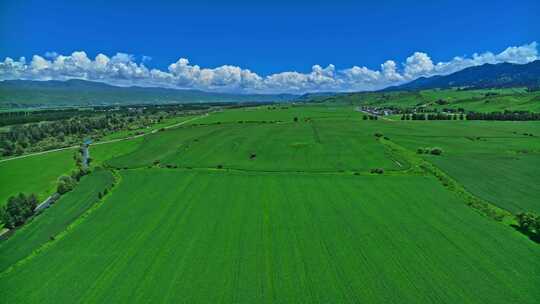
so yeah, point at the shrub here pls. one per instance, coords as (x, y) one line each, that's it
(377, 171)
(528, 222)
(420, 150)
(65, 184)
(436, 151)
(378, 134)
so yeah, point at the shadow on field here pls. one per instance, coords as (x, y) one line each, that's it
(532, 236)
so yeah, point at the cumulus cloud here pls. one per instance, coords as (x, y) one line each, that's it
(124, 69)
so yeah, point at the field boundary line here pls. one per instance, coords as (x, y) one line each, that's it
(482, 206)
(74, 224)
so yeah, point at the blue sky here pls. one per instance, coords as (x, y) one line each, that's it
(266, 38)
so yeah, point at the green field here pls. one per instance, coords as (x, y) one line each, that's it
(249, 206)
(313, 146)
(282, 238)
(55, 219)
(484, 100)
(493, 160)
(36, 174)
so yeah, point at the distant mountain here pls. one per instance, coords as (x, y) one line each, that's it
(502, 75)
(25, 93)
(317, 96)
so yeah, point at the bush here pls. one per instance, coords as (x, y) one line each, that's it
(436, 151)
(529, 223)
(378, 134)
(420, 151)
(377, 171)
(65, 184)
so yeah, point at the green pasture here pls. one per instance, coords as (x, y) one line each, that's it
(278, 113)
(54, 219)
(35, 174)
(203, 237)
(165, 123)
(493, 160)
(317, 145)
(486, 100)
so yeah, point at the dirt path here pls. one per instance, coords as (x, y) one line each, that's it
(103, 142)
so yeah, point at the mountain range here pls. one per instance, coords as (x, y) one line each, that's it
(75, 92)
(502, 75)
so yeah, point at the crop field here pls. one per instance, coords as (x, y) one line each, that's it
(36, 174)
(312, 146)
(251, 206)
(482, 156)
(165, 123)
(486, 100)
(103, 152)
(55, 220)
(278, 113)
(281, 238)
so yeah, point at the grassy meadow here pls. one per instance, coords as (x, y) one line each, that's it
(481, 100)
(195, 238)
(251, 205)
(54, 220)
(37, 174)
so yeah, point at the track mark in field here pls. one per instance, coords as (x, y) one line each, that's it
(315, 133)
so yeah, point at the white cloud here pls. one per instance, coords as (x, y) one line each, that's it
(419, 64)
(123, 69)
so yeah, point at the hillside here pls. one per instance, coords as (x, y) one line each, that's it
(480, 100)
(503, 75)
(25, 93)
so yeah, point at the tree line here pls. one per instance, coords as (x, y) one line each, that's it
(506, 115)
(432, 116)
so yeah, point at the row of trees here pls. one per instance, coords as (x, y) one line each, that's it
(432, 116)
(506, 115)
(18, 209)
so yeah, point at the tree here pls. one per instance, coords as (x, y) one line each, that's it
(65, 184)
(528, 222)
(436, 151)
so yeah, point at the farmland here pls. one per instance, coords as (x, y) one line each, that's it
(481, 100)
(202, 233)
(280, 204)
(39, 231)
(37, 174)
